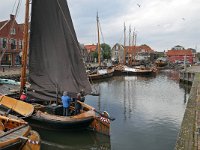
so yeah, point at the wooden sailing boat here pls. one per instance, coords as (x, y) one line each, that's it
(161, 62)
(9, 81)
(15, 133)
(55, 65)
(101, 72)
(131, 69)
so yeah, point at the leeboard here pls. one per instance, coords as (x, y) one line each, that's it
(24, 109)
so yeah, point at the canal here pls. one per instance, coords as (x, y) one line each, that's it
(148, 112)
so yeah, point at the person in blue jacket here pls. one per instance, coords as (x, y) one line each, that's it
(66, 99)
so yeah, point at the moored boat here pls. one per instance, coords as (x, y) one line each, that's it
(137, 70)
(9, 81)
(55, 66)
(161, 62)
(16, 134)
(50, 116)
(101, 72)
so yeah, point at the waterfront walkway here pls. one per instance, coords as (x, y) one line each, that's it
(9, 72)
(189, 135)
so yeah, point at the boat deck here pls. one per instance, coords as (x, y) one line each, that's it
(14, 133)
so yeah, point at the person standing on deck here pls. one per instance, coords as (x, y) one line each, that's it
(66, 103)
(81, 98)
(82, 94)
(77, 104)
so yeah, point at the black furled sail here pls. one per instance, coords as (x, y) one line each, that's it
(55, 60)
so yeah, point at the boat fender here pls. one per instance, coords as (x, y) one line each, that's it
(33, 142)
(105, 117)
(106, 120)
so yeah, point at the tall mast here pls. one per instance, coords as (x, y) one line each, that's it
(124, 43)
(129, 59)
(99, 49)
(133, 51)
(135, 48)
(130, 35)
(25, 48)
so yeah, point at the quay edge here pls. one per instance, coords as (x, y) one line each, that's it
(189, 134)
(10, 73)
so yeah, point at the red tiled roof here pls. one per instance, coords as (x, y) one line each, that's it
(146, 48)
(136, 49)
(90, 48)
(179, 52)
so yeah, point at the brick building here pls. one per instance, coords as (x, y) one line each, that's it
(139, 53)
(178, 53)
(91, 49)
(11, 42)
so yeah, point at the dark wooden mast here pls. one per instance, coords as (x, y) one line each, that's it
(25, 48)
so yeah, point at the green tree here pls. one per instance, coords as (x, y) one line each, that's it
(95, 54)
(106, 51)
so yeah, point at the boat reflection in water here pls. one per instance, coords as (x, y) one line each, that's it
(75, 140)
(148, 113)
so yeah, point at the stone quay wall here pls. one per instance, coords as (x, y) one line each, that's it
(189, 135)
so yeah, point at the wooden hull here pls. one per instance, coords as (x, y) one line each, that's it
(12, 145)
(97, 76)
(161, 64)
(16, 134)
(118, 72)
(100, 76)
(53, 122)
(141, 73)
(50, 117)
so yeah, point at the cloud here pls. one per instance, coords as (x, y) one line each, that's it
(161, 24)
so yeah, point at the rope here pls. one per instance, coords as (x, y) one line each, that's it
(14, 6)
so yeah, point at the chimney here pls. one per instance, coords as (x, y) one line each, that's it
(12, 17)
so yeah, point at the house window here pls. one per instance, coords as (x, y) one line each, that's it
(20, 44)
(117, 48)
(12, 31)
(3, 43)
(6, 60)
(13, 43)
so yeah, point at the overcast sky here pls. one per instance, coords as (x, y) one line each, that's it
(161, 24)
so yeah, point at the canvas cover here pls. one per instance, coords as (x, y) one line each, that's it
(55, 60)
(129, 69)
(102, 71)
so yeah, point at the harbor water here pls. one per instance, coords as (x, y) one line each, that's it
(148, 112)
